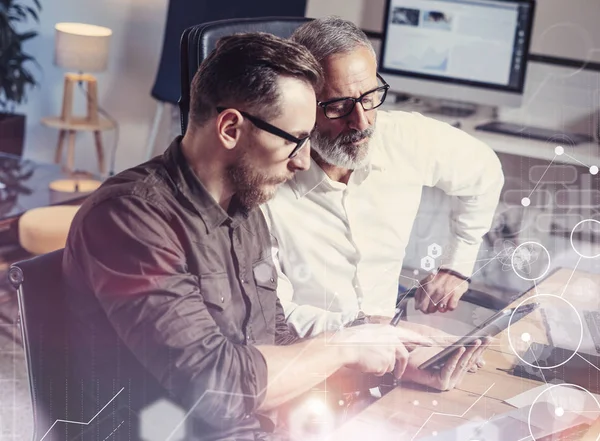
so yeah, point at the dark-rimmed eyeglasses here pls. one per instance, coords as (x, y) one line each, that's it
(341, 107)
(270, 128)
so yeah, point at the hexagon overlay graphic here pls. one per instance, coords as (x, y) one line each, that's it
(434, 250)
(159, 420)
(427, 263)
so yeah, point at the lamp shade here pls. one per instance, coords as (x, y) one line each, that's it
(81, 47)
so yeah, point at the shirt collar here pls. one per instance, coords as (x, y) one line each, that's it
(192, 189)
(306, 181)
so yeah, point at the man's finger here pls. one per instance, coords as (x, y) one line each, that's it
(401, 361)
(454, 298)
(425, 303)
(477, 359)
(413, 338)
(464, 364)
(433, 306)
(450, 366)
(469, 362)
(439, 299)
(419, 297)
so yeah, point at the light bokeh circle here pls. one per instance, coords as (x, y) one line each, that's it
(529, 299)
(562, 410)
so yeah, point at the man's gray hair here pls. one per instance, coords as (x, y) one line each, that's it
(330, 36)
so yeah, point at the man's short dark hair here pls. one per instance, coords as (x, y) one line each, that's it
(243, 71)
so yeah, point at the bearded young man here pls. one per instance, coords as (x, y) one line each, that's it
(360, 197)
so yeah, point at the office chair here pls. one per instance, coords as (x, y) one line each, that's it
(182, 14)
(198, 41)
(69, 399)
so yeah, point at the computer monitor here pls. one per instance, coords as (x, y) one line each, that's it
(468, 51)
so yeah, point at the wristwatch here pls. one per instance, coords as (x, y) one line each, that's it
(454, 273)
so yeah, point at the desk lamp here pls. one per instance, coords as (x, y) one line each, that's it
(82, 48)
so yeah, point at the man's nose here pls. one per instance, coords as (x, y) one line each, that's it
(302, 159)
(358, 118)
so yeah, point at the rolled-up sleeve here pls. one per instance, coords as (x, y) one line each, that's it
(469, 171)
(129, 255)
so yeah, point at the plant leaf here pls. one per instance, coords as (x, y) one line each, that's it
(27, 35)
(15, 76)
(33, 13)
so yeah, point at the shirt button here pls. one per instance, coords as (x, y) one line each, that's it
(222, 299)
(272, 280)
(242, 280)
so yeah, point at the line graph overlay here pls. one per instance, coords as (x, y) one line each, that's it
(80, 422)
(452, 415)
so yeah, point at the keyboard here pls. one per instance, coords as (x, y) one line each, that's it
(592, 319)
(537, 133)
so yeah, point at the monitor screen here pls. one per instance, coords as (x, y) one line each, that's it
(479, 43)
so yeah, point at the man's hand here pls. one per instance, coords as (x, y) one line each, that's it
(437, 336)
(378, 349)
(449, 376)
(440, 292)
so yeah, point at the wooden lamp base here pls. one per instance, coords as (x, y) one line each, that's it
(68, 124)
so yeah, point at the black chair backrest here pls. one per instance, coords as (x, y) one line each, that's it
(198, 41)
(182, 14)
(82, 386)
(41, 312)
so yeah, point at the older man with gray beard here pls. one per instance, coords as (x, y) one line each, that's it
(340, 228)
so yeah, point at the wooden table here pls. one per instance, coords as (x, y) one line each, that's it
(25, 185)
(411, 411)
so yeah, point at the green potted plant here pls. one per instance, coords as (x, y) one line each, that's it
(15, 77)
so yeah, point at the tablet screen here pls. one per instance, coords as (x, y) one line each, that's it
(491, 327)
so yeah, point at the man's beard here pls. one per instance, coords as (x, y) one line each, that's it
(248, 183)
(341, 151)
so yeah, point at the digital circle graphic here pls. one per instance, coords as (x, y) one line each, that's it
(545, 298)
(530, 261)
(525, 202)
(561, 408)
(588, 226)
(594, 170)
(559, 150)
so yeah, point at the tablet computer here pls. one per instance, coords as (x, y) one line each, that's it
(492, 326)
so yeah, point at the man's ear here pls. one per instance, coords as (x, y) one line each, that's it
(229, 123)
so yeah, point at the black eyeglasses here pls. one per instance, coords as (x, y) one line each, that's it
(341, 107)
(263, 125)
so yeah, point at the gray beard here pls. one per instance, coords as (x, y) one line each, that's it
(340, 151)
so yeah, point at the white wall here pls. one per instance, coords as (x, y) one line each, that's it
(138, 27)
(124, 89)
(555, 97)
(569, 29)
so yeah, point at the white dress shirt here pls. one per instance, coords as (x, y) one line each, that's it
(339, 248)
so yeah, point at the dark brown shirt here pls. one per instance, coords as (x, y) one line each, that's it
(189, 289)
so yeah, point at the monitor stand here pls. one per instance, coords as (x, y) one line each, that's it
(454, 109)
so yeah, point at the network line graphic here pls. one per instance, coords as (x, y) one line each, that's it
(558, 151)
(461, 415)
(83, 423)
